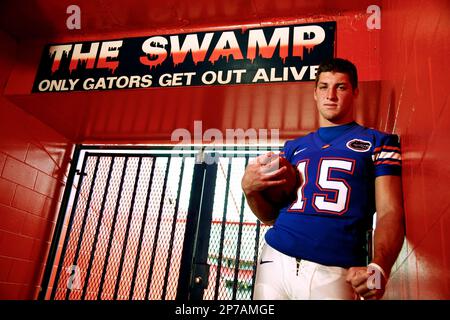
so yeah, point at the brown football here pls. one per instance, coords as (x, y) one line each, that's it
(282, 195)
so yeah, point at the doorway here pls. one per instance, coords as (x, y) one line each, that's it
(154, 223)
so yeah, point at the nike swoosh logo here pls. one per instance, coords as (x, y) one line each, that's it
(266, 261)
(298, 151)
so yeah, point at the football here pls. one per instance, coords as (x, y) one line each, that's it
(282, 195)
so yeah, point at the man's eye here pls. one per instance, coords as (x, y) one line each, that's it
(342, 88)
(321, 88)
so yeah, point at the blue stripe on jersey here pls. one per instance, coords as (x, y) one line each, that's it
(329, 220)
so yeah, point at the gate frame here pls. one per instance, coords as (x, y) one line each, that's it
(194, 269)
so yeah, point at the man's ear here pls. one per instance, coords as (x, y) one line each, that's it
(315, 93)
(356, 92)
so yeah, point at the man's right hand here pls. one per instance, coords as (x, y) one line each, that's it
(261, 173)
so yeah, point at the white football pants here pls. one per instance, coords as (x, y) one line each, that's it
(281, 277)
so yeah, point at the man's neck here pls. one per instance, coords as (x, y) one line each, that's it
(326, 123)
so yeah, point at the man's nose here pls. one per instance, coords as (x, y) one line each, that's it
(331, 94)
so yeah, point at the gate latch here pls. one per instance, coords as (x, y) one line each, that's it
(200, 275)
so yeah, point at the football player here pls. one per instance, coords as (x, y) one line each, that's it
(317, 246)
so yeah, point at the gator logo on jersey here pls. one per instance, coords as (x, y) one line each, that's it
(359, 145)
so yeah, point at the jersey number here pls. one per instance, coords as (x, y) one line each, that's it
(340, 191)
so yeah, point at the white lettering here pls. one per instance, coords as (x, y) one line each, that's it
(89, 56)
(146, 81)
(298, 76)
(313, 72)
(58, 51)
(209, 74)
(108, 55)
(88, 84)
(306, 36)
(155, 52)
(190, 44)
(44, 85)
(122, 82)
(256, 39)
(73, 83)
(261, 74)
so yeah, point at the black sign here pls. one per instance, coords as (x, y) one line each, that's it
(259, 55)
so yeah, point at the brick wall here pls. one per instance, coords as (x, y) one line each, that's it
(32, 174)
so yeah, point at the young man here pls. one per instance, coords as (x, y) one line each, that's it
(316, 248)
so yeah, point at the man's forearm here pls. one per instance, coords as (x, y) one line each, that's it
(388, 240)
(262, 209)
(390, 230)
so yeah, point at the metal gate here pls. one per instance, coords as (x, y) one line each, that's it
(153, 223)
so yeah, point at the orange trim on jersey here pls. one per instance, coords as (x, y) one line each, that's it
(387, 148)
(387, 162)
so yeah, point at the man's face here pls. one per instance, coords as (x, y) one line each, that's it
(334, 97)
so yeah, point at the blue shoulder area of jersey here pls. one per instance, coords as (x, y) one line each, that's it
(292, 146)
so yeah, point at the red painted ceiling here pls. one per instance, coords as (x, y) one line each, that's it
(47, 19)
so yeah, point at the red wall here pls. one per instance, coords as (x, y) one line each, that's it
(32, 169)
(410, 54)
(415, 104)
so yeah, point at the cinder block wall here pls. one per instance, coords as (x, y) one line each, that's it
(32, 174)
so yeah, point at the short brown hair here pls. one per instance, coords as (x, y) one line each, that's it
(339, 65)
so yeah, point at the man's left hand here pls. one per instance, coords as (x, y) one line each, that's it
(367, 282)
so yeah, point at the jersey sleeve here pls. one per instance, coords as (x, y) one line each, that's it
(286, 151)
(387, 157)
